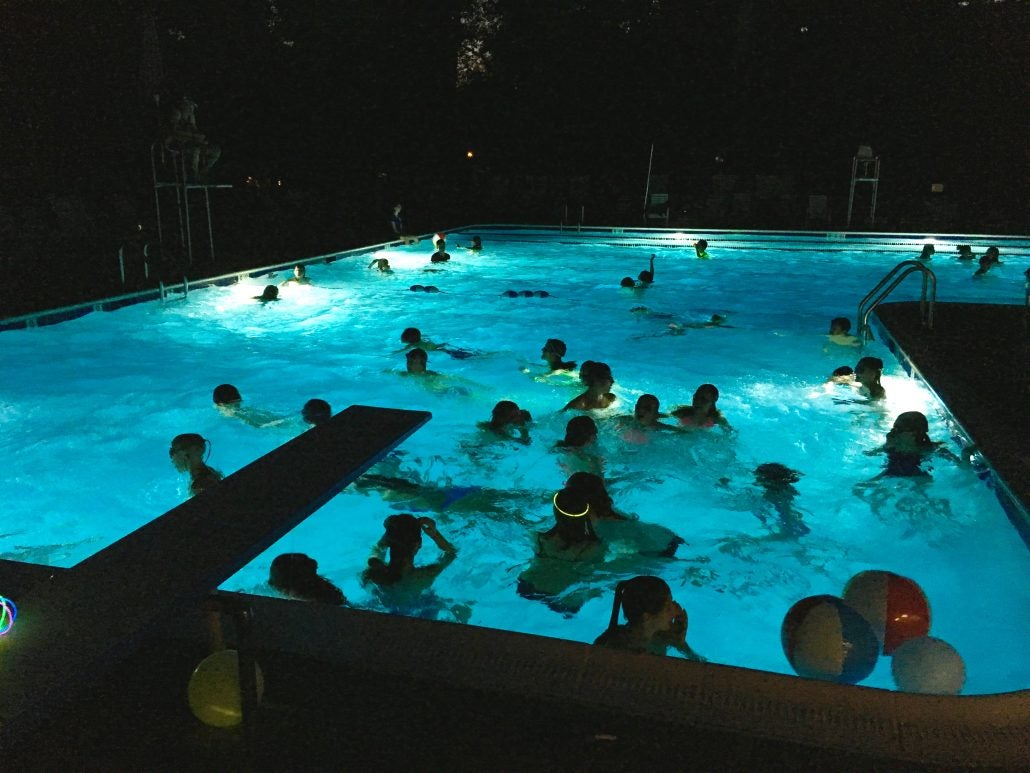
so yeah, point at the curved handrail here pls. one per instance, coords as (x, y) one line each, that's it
(876, 296)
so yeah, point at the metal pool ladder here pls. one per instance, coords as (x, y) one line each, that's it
(887, 285)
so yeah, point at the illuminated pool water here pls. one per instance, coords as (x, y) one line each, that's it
(87, 409)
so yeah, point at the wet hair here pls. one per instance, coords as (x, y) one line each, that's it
(843, 370)
(775, 474)
(526, 293)
(965, 249)
(707, 390)
(627, 281)
(595, 372)
(299, 270)
(703, 244)
(411, 335)
(510, 294)
(296, 574)
(992, 253)
(541, 294)
(927, 250)
(555, 346)
(505, 412)
(842, 324)
(646, 276)
(431, 289)
(417, 354)
(874, 363)
(571, 522)
(911, 421)
(579, 431)
(477, 242)
(270, 293)
(226, 394)
(189, 440)
(402, 538)
(417, 288)
(637, 596)
(316, 411)
(644, 402)
(591, 488)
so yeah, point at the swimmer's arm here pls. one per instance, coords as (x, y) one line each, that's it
(685, 650)
(428, 526)
(947, 453)
(875, 451)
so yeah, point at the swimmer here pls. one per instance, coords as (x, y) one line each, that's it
(382, 265)
(296, 575)
(618, 529)
(316, 412)
(988, 261)
(597, 377)
(628, 283)
(654, 621)
(927, 253)
(564, 556)
(402, 541)
(580, 431)
(411, 337)
(270, 293)
(701, 248)
(776, 481)
(840, 333)
(908, 445)
(702, 411)
(300, 276)
(229, 402)
(189, 453)
(416, 361)
(509, 421)
(965, 252)
(441, 255)
(867, 378)
(476, 245)
(842, 375)
(646, 415)
(552, 353)
(425, 289)
(647, 277)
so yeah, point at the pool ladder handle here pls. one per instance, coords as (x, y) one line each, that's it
(894, 277)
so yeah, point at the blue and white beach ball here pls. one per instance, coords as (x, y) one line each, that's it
(824, 638)
(928, 665)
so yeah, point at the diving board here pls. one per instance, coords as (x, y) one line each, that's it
(81, 620)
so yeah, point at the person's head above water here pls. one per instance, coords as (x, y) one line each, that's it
(840, 326)
(296, 574)
(555, 346)
(403, 535)
(706, 394)
(928, 251)
(187, 450)
(416, 360)
(227, 395)
(316, 411)
(299, 271)
(912, 422)
(411, 335)
(580, 431)
(596, 374)
(591, 488)
(646, 408)
(869, 369)
(270, 293)
(508, 412)
(627, 281)
(643, 600)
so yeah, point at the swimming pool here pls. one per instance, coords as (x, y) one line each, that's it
(111, 390)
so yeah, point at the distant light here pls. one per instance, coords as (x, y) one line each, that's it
(936, 187)
(804, 30)
(719, 159)
(469, 154)
(279, 183)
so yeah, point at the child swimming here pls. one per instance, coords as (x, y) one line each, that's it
(189, 453)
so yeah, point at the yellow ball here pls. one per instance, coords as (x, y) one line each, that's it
(214, 689)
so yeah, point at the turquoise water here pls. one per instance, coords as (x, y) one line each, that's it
(87, 409)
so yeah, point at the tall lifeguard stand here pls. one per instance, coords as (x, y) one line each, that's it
(176, 179)
(865, 168)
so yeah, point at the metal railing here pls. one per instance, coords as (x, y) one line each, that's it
(886, 285)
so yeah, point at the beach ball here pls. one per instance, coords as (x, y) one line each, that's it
(214, 689)
(928, 665)
(824, 638)
(895, 606)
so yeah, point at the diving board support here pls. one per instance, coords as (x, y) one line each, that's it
(85, 619)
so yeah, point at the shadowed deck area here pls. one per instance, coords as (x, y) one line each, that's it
(977, 360)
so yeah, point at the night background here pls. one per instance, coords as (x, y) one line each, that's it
(329, 112)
